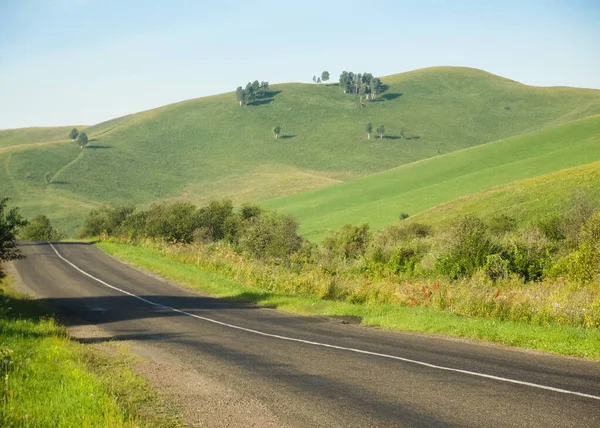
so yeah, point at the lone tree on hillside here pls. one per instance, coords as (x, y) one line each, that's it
(73, 134)
(325, 76)
(276, 131)
(381, 131)
(82, 139)
(369, 130)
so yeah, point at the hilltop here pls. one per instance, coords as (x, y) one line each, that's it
(211, 147)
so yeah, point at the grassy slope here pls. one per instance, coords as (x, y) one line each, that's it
(525, 200)
(379, 198)
(23, 136)
(210, 147)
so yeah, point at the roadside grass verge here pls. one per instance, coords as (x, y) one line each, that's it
(50, 380)
(565, 340)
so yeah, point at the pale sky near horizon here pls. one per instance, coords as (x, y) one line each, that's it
(80, 62)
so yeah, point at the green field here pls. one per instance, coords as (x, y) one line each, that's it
(526, 200)
(379, 199)
(211, 147)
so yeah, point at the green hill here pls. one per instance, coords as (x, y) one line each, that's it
(379, 199)
(526, 200)
(211, 147)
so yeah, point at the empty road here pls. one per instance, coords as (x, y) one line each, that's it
(244, 365)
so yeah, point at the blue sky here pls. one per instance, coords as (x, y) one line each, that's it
(79, 62)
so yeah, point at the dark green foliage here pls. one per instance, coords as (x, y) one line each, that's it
(399, 234)
(325, 76)
(468, 249)
(270, 236)
(174, 222)
(580, 212)
(350, 242)
(360, 84)
(252, 92)
(214, 216)
(583, 264)
(82, 139)
(276, 131)
(105, 220)
(381, 131)
(39, 228)
(248, 211)
(10, 223)
(530, 256)
(404, 216)
(496, 267)
(73, 134)
(502, 224)
(383, 262)
(552, 227)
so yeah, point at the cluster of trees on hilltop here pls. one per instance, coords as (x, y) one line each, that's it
(361, 84)
(252, 92)
(323, 78)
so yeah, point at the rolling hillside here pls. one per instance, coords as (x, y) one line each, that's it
(379, 199)
(210, 147)
(525, 200)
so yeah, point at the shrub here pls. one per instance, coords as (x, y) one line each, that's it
(581, 210)
(39, 228)
(270, 236)
(174, 222)
(468, 249)
(397, 234)
(404, 216)
(530, 256)
(496, 267)
(105, 220)
(384, 262)
(350, 242)
(583, 264)
(502, 224)
(552, 227)
(214, 218)
(10, 223)
(249, 211)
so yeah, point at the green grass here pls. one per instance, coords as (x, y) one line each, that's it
(558, 339)
(526, 200)
(49, 380)
(379, 199)
(210, 147)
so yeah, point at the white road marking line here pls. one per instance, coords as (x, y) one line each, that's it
(326, 345)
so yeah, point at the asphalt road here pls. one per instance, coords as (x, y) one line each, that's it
(315, 371)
